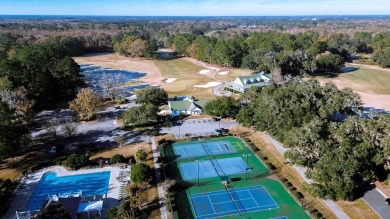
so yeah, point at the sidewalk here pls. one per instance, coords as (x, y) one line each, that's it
(158, 180)
(331, 204)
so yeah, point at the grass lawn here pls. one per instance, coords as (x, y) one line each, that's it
(357, 209)
(126, 150)
(233, 73)
(364, 80)
(187, 75)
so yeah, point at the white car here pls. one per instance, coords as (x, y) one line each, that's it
(53, 150)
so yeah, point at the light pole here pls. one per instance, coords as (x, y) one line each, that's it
(247, 164)
(179, 128)
(198, 172)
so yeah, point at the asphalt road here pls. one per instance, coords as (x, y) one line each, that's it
(377, 202)
(198, 127)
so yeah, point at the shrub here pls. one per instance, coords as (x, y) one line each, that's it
(289, 185)
(76, 161)
(133, 189)
(140, 172)
(140, 155)
(117, 158)
(300, 195)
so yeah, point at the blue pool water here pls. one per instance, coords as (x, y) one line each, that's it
(90, 184)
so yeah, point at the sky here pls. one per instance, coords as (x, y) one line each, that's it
(195, 7)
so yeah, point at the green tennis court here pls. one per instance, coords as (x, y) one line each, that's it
(200, 167)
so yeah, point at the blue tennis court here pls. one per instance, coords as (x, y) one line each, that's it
(212, 168)
(232, 201)
(202, 149)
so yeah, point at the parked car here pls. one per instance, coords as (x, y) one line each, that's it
(224, 131)
(218, 132)
(216, 118)
(387, 201)
(53, 150)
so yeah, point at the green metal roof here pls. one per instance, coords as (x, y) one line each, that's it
(180, 105)
(187, 104)
(201, 103)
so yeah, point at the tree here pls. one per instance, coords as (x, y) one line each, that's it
(120, 140)
(223, 107)
(85, 104)
(140, 115)
(187, 135)
(13, 134)
(152, 95)
(382, 57)
(181, 42)
(138, 48)
(69, 129)
(17, 99)
(329, 63)
(117, 158)
(112, 85)
(140, 156)
(140, 172)
(75, 161)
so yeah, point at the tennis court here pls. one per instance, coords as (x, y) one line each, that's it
(212, 168)
(202, 149)
(232, 201)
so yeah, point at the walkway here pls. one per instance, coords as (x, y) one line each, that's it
(161, 197)
(331, 204)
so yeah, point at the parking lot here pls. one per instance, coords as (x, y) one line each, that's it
(198, 127)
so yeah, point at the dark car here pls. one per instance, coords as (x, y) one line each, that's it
(224, 131)
(387, 201)
(218, 132)
(216, 118)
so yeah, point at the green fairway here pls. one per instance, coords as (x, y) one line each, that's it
(187, 75)
(255, 177)
(364, 80)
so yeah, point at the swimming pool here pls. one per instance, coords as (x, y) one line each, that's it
(50, 184)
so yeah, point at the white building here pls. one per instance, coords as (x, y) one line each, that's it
(243, 83)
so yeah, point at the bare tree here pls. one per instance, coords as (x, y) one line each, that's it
(69, 129)
(277, 75)
(112, 85)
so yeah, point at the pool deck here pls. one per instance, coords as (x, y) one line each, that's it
(28, 184)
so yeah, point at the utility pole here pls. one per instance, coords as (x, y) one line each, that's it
(198, 172)
(247, 164)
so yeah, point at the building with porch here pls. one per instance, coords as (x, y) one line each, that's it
(243, 83)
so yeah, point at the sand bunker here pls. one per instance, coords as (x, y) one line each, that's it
(170, 80)
(208, 85)
(223, 73)
(204, 72)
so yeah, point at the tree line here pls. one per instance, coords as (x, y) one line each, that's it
(32, 75)
(342, 151)
(294, 54)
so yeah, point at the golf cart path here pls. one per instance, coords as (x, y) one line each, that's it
(160, 190)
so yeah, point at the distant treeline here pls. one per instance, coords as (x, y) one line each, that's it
(304, 53)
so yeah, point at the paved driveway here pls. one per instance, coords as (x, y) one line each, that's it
(198, 127)
(377, 202)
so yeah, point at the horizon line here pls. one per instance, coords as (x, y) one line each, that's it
(296, 15)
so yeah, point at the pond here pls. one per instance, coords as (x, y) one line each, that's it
(98, 78)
